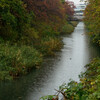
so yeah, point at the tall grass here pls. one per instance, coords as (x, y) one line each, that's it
(16, 60)
(67, 28)
(49, 45)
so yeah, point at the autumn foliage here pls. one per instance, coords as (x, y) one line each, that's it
(47, 8)
(92, 20)
(29, 30)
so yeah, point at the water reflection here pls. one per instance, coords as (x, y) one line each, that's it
(68, 63)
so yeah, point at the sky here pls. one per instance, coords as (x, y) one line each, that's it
(75, 1)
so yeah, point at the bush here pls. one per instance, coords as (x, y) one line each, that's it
(88, 88)
(16, 60)
(15, 21)
(92, 20)
(74, 23)
(67, 28)
(49, 45)
(47, 30)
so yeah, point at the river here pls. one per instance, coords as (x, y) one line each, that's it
(68, 64)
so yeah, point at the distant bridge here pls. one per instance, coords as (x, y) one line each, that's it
(79, 12)
(76, 17)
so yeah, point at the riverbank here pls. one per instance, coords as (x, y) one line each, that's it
(43, 81)
(17, 60)
(87, 89)
(88, 49)
(92, 21)
(30, 31)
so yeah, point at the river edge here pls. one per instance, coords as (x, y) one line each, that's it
(87, 87)
(43, 81)
(14, 51)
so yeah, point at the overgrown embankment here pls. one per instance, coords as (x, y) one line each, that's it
(92, 20)
(30, 30)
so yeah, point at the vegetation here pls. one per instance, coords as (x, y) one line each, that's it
(92, 20)
(16, 60)
(88, 88)
(30, 30)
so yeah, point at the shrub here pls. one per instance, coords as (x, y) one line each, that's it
(15, 21)
(92, 20)
(49, 45)
(74, 23)
(47, 30)
(67, 28)
(16, 60)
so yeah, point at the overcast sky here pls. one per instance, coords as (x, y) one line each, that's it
(75, 1)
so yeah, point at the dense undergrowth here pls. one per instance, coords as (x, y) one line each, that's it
(92, 20)
(30, 30)
(17, 60)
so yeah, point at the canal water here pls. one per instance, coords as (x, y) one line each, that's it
(68, 64)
